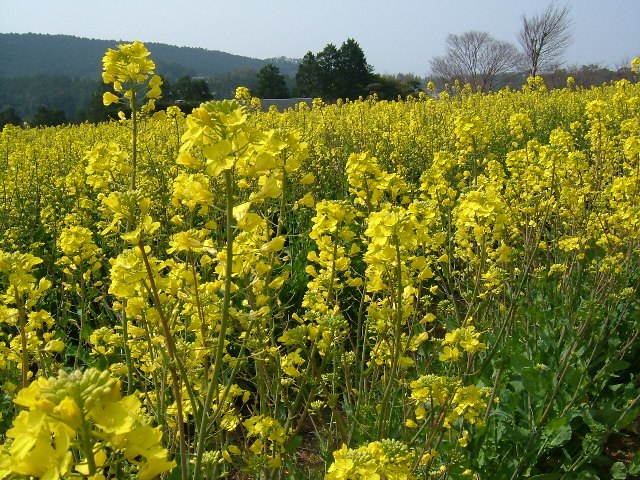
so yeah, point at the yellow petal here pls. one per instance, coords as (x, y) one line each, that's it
(108, 98)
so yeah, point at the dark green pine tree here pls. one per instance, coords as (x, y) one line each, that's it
(308, 77)
(271, 83)
(329, 67)
(353, 72)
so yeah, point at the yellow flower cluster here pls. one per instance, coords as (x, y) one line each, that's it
(381, 460)
(126, 67)
(445, 399)
(79, 422)
(465, 339)
(270, 439)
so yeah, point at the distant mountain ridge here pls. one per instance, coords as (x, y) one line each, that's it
(30, 54)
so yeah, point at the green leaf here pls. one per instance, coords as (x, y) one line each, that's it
(634, 467)
(618, 471)
(519, 362)
(616, 366)
(583, 475)
(293, 444)
(531, 380)
(176, 472)
(557, 432)
(546, 476)
(517, 386)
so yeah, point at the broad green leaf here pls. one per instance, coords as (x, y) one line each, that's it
(618, 471)
(557, 432)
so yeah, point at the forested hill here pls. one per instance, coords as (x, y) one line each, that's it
(26, 55)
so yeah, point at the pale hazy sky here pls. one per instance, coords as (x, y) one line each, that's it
(396, 35)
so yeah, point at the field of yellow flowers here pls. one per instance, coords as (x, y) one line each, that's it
(440, 287)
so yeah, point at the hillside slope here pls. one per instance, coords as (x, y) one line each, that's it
(29, 54)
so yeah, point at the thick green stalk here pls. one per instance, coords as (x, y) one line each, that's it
(87, 446)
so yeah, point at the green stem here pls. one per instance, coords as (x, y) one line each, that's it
(127, 350)
(134, 151)
(83, 296)
(203, 323)
(22, 326)
(87, 447)
(395, 354)
(226, 303)
(171, 351)
(300, 395)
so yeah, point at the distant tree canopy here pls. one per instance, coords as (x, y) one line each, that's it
(8, 116)
(388, 87)
(48, 117)
(271, 83)
(27, 94)
(25, 55)
(334, 73)
(308, 77)
(187, 89)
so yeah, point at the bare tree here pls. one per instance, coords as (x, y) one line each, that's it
(475, 58)
(544, 38)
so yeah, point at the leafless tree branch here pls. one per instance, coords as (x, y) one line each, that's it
(544, 39)
(476, 58)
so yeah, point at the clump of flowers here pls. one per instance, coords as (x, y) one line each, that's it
(448, 400)
(268, 445)
(23, 291)
(127, 67)
(384, 459)
(79, 421)
(464, 339)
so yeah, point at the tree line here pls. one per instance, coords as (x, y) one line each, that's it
(330, 74)
(473, 57)
(335, 73)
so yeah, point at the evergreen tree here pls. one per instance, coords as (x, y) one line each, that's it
(354, 73)
(271, 83)
(329, 67)
(308, 77)
(335, 73)
(388, 87)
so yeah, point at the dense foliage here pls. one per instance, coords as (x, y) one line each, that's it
(445, 286)
(271, 83)
(334, 72)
